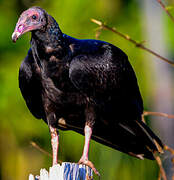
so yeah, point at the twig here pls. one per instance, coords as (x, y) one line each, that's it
(165, 9)
(41, 150)
(167, 148)
(143, 119)
(159, 175)
(98, 32)
(137, 44)
(147, 113)
(162, 172)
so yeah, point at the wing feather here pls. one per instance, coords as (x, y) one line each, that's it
(30, 86)
(107, 79)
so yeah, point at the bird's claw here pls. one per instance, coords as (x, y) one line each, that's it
(89, 164)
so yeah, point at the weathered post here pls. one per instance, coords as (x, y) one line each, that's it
(66, 171)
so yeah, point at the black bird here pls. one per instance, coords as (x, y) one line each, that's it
(87, 86)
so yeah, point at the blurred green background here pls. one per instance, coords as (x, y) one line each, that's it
(18, 127)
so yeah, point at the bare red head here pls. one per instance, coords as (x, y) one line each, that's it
(31, 19)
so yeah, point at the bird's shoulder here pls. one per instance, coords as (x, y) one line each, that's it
(93, 48)
(96, 58)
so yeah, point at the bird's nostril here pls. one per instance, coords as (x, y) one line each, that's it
(20, 28)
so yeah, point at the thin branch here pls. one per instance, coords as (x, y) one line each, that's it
(142, 118)
(40, 149)
(137, 44)
(162, 172)
(165, 9)
(98, 32)
(167, 148)
(147, 113)
(159, 175)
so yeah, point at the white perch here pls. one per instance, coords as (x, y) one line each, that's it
(66, 171)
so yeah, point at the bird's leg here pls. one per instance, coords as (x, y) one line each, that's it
(88, 133)
(84, 158)
(54, 143)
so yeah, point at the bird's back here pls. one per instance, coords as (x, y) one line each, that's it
(111, 79)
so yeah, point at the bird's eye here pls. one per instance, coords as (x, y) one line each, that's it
(34, 17)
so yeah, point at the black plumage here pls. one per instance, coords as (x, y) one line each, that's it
(71, 83)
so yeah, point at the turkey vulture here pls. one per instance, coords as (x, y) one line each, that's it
(84, 85)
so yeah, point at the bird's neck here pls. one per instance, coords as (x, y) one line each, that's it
(51, 36)
(48, 41)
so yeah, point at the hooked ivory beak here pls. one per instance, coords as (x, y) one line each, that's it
(19, 30)
(15, 36)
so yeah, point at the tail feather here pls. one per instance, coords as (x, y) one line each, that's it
(154, 139)
(145, 142)
(132, 137)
